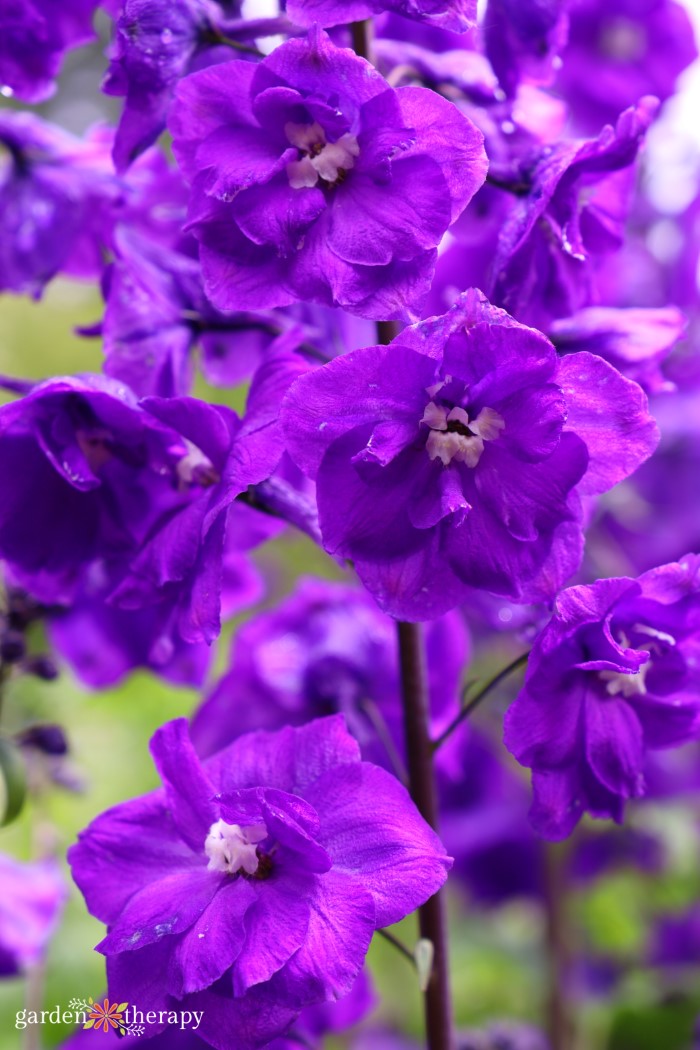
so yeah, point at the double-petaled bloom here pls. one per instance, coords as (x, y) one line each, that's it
(250, 886)
(457, 457)
(613, 675)
(312, 179)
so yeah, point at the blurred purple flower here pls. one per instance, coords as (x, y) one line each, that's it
(31, 903)
(54, 192)
(34, 37)
(620, 50)
(327, 649)
(523, 39)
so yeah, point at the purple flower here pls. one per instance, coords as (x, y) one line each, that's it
(85, 473)
(34, 36)
(454, 15)
(148, 488)
(635, 341)
(454, 457)
(313, 179)
(571, 209)
(523, 39)
(675, 940)
(157, 317)
(327, 649)
(31, 903)
(635, 48)
(102, 643)
(483, 821)
(158, 42)
(612, 676)
(249, 887)
(182, 562)
(54, 190)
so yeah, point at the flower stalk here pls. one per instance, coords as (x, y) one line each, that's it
(423, 789)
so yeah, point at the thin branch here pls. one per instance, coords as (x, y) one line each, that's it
(399, 945)
(481, 695)
(382, 730)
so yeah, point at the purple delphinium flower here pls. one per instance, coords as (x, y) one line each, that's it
(249, 887)
(182, 561)
(454, 15)
(483, 821)
(454, 457)
(103, 643)
(571, 208)
(523, 39)
(313, 179)
(34, 36)
(31, 903)
(612, 676)
(635, 341)
(328, 649)
(53, 190)
(675, 940)
(148, 487)
(156, 44)
(635, 47)
(85, 473)
(157, 317)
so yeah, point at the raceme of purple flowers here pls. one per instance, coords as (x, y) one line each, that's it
(419, 245)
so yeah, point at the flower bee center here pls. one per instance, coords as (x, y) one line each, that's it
(319, 160)
(233, 849)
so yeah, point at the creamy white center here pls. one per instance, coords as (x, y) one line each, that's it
(454, 436)
(232, 848)
(320, 159)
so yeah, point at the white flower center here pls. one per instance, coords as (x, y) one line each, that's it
(454, 436)
(632, 684)
(196, 469)
(232, 848)
(320, 159)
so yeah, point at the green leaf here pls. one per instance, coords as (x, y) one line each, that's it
(122, 1007)
(89, 1024)
(13, 781)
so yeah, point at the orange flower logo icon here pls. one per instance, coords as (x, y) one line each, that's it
(107, 1015)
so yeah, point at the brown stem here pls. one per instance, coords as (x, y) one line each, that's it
(361, 34)
(431, 917)
(560, 1020)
